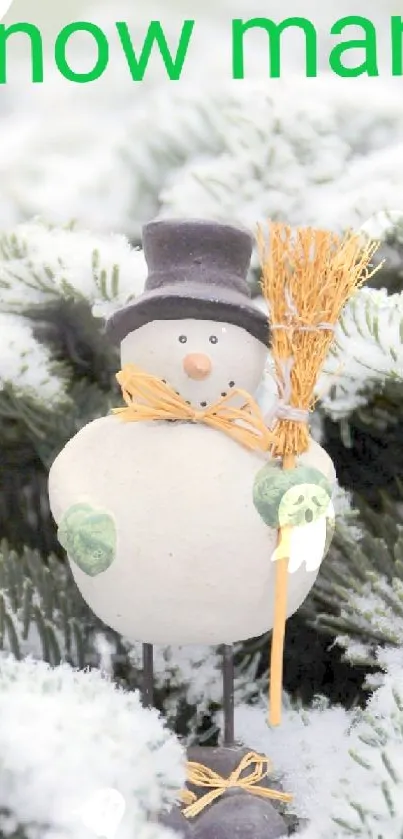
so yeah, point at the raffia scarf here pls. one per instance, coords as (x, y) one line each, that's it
(149, 398)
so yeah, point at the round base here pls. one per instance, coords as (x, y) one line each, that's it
(237, 814)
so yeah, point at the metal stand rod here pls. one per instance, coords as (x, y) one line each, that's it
(228, 695)
(148, 676)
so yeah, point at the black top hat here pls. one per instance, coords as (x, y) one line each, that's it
(197, 269)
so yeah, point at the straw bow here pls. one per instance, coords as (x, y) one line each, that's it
(149, 398)
(202, 776)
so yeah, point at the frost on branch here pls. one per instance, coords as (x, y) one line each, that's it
(41, 264)
(306, 749)
(284, 151)
(56, 368)
(368, 798)
(42, 613)
(345, 769)
(367, 353)
(190, 677)
(279, 150)
(358, 597)
(368, 350)
(26, 367)
(65, 734)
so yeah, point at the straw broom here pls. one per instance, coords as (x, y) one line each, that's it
(307, 277)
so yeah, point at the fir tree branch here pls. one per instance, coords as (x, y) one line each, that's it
(358, 597)
(41, 610)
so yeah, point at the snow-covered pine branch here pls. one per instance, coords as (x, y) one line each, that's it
(41, 264)
(368, 351)
(242, 152)
(345, 769)
(358, 597)
(26, 366)
(64, 735)
(42, 613)
(47, 276)
(191, 677)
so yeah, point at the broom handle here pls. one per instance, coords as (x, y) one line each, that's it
(280, 618)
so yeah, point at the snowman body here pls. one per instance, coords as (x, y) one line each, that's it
(193, 559)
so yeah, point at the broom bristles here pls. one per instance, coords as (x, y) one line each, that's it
(307, 277)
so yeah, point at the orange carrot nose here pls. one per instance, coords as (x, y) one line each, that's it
(197, 366)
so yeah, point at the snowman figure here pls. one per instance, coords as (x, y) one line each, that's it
(158, 515)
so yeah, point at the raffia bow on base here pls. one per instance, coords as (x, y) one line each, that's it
(149, 398)
(202, 776)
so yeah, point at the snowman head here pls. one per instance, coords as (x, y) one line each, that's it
(195, 325)
(202, 360)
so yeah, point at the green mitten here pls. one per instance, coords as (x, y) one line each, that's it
(291, 497)
(88, 536)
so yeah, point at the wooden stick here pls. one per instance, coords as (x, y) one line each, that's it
(228, 697)
(280, 615)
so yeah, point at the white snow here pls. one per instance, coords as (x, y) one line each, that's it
(368, 349)
(26, 366)
(193, 674)
(375, 609)
(66, 734)
(41, 264)
(283, 153)
(345, 769)
(240, 150)
(304, 750)
(380, 224)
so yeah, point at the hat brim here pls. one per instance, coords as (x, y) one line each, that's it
(178, 302)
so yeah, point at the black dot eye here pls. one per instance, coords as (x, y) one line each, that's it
(213, 339)
(182, 339)
(231, 384)
(300, 500)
